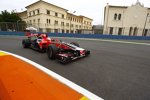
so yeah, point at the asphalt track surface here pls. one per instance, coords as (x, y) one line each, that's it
(113, 71)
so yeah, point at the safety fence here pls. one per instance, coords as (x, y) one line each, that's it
(95, 36)
(45, 27)
(12, 26)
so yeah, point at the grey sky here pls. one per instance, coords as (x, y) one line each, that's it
(90, 8)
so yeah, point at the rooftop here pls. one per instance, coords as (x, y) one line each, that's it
(45, 3)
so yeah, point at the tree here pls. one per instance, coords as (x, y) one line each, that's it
(9, 17)
(1, 19)
(9, 21)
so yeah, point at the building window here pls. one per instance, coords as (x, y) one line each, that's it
(111, 31)
(29, 13)
(63, 31)
(120, 31)
(67, 24)
(68, 18)
(145, 32)
(38, 11)
(115, 16)
(67, 31)
(56, 30)
(62, 23)
(71, 25)
(72, 31)
(34, 21)
(135, 31)
(130, 31)
(56, 22)
(48, 30)
(38, 20)
(80, 26)
(33, 12)
(47, 21)
(48, 12)
(56, 14)
(76, 26)
(62, 16)
(30, 21)
(119, 17)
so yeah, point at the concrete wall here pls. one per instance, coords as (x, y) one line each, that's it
(133, 16)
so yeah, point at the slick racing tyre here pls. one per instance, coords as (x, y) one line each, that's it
(75, 43)
(51, 51)
(26, 43)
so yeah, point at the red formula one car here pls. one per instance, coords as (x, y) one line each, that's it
(55, 48)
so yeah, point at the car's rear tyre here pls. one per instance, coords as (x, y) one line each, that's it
(51, 51)
(26, 43)
(75, 43)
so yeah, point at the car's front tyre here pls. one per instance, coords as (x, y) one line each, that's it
(26, 43)
(51, 51)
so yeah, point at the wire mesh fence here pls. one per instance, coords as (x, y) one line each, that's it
(43, 27)
(10, 26)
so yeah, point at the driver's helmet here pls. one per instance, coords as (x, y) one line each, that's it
(43, 35)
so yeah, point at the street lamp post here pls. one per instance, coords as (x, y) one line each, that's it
(145, 23)
(17, 25)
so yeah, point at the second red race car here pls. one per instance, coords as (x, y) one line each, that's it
(55, 48)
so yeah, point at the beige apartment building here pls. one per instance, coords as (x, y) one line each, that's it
(131, 20)
(47, 17)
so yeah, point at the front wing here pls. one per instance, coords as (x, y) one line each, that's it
(65, 58)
